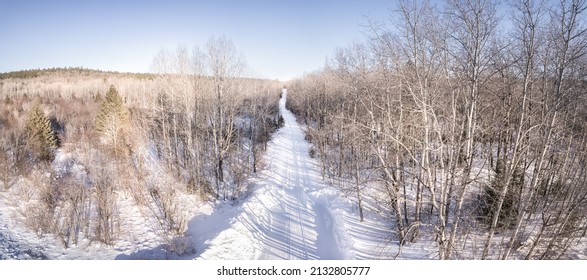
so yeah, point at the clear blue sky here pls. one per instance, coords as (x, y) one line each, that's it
(280, 39)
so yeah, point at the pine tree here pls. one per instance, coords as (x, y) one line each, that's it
(40, 134)
(113, 119)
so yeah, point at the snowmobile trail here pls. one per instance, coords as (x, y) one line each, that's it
(286, 216)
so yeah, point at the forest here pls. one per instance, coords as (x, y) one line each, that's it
(461, 124)
(463, 128)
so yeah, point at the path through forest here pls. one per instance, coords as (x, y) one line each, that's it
(287, 215)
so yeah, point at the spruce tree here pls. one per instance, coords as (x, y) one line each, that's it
(112, 119)
(491, 192)
(40, 134)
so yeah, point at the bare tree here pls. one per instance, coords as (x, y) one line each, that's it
(224, 65)
(474, 24)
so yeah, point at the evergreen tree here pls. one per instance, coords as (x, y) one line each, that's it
(489, 197)
(40, 134)
(112, 119)
(98, 97)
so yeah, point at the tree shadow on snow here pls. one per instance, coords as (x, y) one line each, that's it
(201, 230)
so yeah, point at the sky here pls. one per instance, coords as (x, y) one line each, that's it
(280, 39)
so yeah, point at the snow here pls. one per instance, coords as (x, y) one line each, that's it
(290, 213)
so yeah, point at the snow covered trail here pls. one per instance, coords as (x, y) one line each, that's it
(287, 216)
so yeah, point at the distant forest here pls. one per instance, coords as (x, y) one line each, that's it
(79, 71)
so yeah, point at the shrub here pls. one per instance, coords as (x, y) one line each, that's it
(182, 246)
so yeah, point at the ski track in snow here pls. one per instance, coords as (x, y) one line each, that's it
(287, 215)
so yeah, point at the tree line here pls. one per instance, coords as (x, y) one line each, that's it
(64, 71)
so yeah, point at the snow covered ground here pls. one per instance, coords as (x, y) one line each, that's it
(292, 213)
(289, 213)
